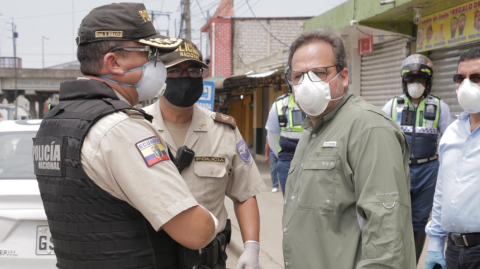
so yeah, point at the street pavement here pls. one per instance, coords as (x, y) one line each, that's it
(271, 210)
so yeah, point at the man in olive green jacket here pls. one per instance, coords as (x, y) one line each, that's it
(347, 194)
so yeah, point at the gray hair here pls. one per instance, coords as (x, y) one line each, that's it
(90, 55)
(321, 35)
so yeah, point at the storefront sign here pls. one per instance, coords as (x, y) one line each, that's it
(365, 45)
(453, 26)
(207, 99)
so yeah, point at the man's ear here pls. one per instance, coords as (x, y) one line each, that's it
(110, 64)
(345, 77)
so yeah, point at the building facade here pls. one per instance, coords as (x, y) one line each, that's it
(440, 30)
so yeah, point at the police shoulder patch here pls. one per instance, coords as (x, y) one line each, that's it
(243, 151)
(152, 151)
(222, 118)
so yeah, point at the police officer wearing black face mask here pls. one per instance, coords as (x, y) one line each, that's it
(221, 165)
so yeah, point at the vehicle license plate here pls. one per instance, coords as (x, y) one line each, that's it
(44, 241)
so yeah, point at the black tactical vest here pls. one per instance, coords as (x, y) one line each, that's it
(90, 228)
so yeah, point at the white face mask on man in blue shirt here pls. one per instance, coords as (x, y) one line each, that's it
(469, 96)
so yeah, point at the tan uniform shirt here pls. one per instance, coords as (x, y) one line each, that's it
(218, 168)
(113, 160)
(178, 132)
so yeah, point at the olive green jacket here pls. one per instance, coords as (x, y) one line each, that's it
(347, 200)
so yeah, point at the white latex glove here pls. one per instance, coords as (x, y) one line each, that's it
(249, 258)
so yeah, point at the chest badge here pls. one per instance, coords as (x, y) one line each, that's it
(330, 144)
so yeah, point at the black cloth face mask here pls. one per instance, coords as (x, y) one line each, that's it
(183, 91)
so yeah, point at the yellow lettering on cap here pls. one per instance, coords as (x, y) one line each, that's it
(104, 34)
(144, 15)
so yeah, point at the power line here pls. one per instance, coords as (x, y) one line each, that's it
(247, 10)
(358, 29)
(198, 4)
(53, 54)
(264, 26)
(161, 7)
(210, 6)
(51, 15)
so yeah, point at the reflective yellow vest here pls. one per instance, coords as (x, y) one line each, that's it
(290, 117)
(420, 124)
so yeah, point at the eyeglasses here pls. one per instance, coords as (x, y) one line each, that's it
(152, 52)
(194, 72)
(296, 77)
(458, 78)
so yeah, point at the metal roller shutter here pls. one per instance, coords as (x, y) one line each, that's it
(380, 71)
(445, 62)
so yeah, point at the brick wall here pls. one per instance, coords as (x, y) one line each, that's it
(251, 42)
(221, 62)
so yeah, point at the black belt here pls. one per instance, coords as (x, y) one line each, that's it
(208, 256)
(216, 250)
(465, 240)
(421, 161)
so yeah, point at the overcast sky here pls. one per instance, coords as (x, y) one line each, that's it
(58, 20)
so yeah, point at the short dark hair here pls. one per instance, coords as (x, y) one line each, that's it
(321, 35)
(90, 55)
(470, 55)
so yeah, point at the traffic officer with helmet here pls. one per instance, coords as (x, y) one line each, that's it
(112, 196)
(423, 118)
(212, 156)
(284, 125)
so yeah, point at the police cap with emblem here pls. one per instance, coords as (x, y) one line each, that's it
(123, 21)
(187, 51)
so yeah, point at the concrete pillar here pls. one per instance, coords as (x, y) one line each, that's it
(33, 108)
(41, 98)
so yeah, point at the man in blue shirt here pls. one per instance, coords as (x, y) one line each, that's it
(456, 213)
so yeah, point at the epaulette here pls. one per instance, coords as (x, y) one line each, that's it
(222, 118)
(134, 113)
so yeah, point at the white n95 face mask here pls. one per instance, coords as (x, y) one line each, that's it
(469, 96)
(415, 90)
(152, 80)
(313, 97)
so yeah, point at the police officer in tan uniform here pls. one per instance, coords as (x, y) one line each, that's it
(222, 164)
(112, 196)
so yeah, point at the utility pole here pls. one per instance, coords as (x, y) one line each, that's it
(0, 15)
(186, 18)
(43, 51)
(154, 13)
(180, 29)
(15, 35)
(73, 29)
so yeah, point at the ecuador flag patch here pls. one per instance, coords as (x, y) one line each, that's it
(152, 151)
